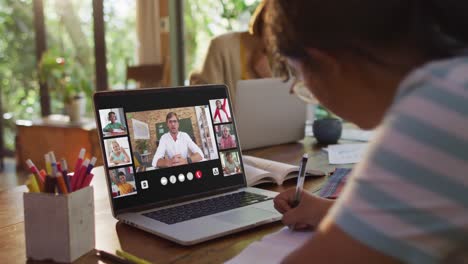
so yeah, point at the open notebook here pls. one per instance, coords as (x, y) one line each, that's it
(258, 170)
(272, 248)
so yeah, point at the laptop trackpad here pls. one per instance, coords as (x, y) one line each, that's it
(245, 216)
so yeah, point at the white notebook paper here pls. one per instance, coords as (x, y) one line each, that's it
(346, 153)
(272, 248)
(357, 134)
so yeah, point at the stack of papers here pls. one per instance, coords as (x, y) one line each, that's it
(346, 153)
(272, 248)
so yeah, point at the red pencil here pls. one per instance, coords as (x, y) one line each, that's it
(78, 177)
(87, 180)
(35, 171)
(79, 161)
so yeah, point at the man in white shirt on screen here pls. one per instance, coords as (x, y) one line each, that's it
(176, 146)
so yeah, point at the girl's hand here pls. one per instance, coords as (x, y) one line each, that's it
(308, 213)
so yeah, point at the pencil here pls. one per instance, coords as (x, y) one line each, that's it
(130, 257)
(111, 257)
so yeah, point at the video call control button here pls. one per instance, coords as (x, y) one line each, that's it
(164, 181)
(189, 176)
(198, 174)
(181, 177)
(215, 171)
(144, 184)
(173, 179)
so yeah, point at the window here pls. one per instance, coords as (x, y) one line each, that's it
(205, 19)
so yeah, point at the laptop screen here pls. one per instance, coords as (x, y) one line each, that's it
(162, 145)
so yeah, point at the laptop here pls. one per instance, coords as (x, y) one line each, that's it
(170, 171)
(265, 107)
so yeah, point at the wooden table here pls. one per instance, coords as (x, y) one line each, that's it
(111, 235)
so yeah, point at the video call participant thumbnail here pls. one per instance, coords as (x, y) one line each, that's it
(117, 155)
(113, 125)
(119, 178)
(231, 163)
(176, 146)
(221, 112)
(226, 140)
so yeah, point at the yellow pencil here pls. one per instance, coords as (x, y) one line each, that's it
(48, 165)
(131, 257)
(32, 185)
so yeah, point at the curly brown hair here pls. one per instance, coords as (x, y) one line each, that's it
(437, 28)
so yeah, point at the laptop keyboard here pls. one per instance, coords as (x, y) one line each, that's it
(211, 206)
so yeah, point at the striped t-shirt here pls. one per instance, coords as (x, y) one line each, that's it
(408, 198)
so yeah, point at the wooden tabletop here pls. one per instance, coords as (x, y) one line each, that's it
(112, 235)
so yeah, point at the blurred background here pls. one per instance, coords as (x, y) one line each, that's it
(56, 52)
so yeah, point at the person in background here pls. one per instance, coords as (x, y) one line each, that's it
(118, 155)
(176, 145)
(113, 123)
(121, 183)
(401, 65)
(236, 56)
(227, 140)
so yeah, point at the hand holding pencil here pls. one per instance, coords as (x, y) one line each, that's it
(300, 209)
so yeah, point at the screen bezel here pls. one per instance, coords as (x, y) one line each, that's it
(98, 99)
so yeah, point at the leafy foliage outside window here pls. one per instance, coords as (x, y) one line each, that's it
(65, 78)
(69, 29)
(18, 86)
(70, 35)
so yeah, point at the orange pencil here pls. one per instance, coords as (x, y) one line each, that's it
(61, 183)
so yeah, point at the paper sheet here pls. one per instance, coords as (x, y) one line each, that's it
(357, 134)
(272, 248)
(346, 153)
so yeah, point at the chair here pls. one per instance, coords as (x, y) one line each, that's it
(148, 75)
(141, 164)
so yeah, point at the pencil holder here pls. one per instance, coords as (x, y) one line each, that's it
(59, 227)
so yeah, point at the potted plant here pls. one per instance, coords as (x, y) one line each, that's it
(327, 127)
(67, 82)
(142, 145)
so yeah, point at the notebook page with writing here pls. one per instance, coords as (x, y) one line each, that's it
(272, 248)
(346, 153)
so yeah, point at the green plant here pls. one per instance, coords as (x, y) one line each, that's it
(64, 78)
(321, 113)
(141, 145)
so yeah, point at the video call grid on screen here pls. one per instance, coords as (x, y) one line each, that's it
(199, 177)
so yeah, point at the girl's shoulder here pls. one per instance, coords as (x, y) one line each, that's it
(448, 75)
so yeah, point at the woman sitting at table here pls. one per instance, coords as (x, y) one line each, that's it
(236, 56)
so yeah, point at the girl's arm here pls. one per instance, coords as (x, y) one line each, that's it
(127, 158)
